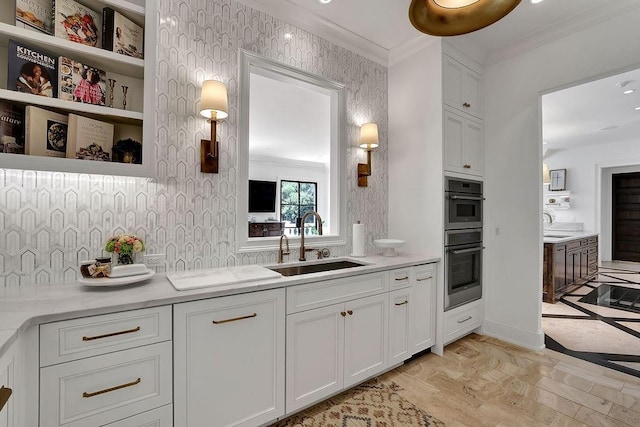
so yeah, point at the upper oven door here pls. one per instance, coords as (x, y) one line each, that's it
(463, 210)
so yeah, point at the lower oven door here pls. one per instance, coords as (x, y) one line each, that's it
(463, 274)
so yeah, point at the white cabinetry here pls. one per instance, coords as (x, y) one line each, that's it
(462, 87)
(137, 74)
(463, 145)
(229, 360)
(460, 321)
(400, 310)
(336, 346)
(423, 315)
(97, 370)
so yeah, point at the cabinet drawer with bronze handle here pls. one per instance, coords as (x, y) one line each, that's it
(400, 278)
(103, 389)
(91, 336)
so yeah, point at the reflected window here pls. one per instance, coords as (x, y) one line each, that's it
(296, 199)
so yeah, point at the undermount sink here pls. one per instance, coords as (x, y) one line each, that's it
(295, 270)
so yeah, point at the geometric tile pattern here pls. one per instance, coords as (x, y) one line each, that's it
(605, 335)
(49, 221)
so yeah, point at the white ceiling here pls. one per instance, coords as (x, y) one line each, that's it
(379, 28)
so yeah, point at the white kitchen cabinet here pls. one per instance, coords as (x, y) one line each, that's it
(161, 417)
(400, 311)
(229, 360)
(462, 87)
(334, 347)
(423, 308)
(463, 145)
(7, 387)
(462, 320)
(138, 75)
(102, 389)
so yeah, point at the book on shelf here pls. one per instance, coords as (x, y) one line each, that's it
(11, 128)
(81, 82)
(77, 23)
(121, 35)
(89, 139)
(128, 144)
(32, 70)
(45, 132)
(35, 15)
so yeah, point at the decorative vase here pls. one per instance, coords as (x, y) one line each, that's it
(125, 259)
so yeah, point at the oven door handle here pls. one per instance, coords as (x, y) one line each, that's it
(456, 197)
(466, 251)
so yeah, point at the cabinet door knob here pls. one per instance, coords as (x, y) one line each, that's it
(343, 314)
(467, 166)
(350, 312)
(466, 104)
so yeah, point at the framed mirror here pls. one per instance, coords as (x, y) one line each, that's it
(291, 155)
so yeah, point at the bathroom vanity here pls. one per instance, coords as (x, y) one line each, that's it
(148, 354)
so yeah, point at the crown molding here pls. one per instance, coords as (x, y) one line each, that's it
(303, 18)
(564, 28)
(410, 47)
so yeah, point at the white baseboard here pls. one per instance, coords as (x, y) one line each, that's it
(529, 340)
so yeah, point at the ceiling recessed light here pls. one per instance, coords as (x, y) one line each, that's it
(628, 91)
(324, 1)
(637, 108)
(536, 1)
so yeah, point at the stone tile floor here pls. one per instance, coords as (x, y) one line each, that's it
(606, 335)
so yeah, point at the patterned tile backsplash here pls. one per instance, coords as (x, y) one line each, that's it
(49, 221)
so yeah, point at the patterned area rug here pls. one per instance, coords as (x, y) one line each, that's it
(372, 404)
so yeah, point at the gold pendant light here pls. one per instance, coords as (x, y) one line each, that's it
(455, 17)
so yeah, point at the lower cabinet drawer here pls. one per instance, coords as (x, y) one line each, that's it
(161, 417)
(462, 320)
(103, 389)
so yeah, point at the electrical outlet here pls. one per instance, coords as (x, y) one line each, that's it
(154, 260)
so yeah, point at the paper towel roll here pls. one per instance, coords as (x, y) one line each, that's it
(358, 240)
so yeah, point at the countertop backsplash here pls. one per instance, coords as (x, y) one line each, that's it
(49, 221)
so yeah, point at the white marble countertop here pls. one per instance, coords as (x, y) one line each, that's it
(558, 236)
(25, 306)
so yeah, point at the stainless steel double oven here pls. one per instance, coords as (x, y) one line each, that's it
(462, 241)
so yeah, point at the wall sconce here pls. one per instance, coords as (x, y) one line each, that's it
(546, 177)
(213, 106)
(369, 141)
(455, 17)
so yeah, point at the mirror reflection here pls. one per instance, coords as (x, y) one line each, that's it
(291, 155)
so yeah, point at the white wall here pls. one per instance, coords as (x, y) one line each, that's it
(513, 222)
(582, 177)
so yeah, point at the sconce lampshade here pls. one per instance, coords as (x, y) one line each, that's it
(213, 100)
(368, 136)
(455, 17)
(546, 178)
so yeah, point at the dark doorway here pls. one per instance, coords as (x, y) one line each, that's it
(626, 217)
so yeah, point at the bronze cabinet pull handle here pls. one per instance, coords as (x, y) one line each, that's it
(112, 334)
(402, 303)
(465, 319)
(423, 279)
(466, 104)
(467, 166)
(5, 394)
(399, 279)
(108, 390)
(219, 322)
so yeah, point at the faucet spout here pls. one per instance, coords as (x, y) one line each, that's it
(282, 253)
(304, 217)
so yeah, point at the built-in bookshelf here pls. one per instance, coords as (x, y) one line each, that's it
(137, 74)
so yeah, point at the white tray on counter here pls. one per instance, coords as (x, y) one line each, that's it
(117, 281)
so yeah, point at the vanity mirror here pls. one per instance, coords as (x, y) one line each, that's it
(292, 140)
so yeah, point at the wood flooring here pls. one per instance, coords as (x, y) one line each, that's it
(481, 381)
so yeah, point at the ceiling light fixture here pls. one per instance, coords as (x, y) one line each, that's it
(325, 1)
(455, 17)
(628, 91)
(536, 1)
(637, 108)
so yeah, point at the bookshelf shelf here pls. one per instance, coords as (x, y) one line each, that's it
(138, 74)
